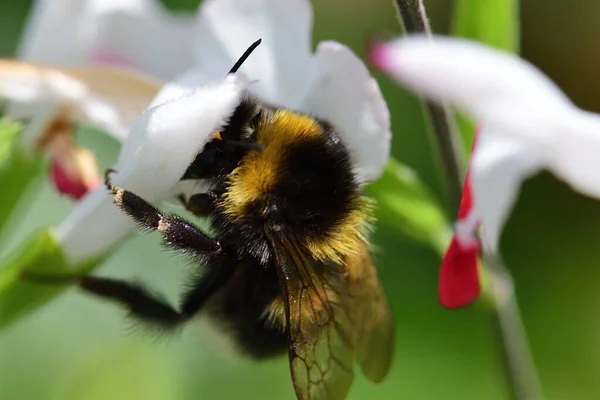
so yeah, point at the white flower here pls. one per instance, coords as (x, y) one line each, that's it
(162, 144)
(526, 123)
(109, 99)
(138, 33)
(333, 84)
(77, 34)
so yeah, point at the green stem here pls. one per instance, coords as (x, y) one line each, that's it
(443, 126)
(519, 367)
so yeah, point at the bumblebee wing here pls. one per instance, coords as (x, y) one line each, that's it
(325, 315)
(370, 316)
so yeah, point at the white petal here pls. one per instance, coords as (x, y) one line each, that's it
(93, 227)
(27, 83)
(575, 153)
(107, 98)
(53, 32)
(140, 33)
(225, 29)
(488, 84)
(344, 94)
(152, 39)
(167, 137)
(117, 97)
(498, 167)
(185, 84)
(155, 156)
(66, 32)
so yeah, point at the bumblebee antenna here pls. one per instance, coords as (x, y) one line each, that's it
(244, 56)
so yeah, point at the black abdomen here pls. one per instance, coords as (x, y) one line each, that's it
(240, 309)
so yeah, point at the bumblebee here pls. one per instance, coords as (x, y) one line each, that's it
(288, 267)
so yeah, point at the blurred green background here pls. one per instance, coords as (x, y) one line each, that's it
(79, 348)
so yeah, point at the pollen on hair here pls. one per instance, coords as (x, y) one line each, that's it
(257, 173)
(346, 236)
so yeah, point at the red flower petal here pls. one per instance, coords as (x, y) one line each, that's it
(459, 279)
(65, 184)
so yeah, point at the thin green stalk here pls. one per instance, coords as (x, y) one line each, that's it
(519, 366)
(443, 126)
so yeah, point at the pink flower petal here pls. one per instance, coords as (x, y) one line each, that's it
(104, 57)
(68, 186)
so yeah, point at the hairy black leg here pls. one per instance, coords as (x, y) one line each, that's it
(177, 233)
(142, 304)
(206, 285)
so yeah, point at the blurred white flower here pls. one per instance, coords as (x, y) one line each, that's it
(106, 98)
(526, 123)
(138, 33)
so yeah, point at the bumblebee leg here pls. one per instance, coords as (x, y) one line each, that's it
(177, 233)
(206, 285)
(200, 204)
(142, 304)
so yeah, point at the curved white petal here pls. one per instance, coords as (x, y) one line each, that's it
(575, 154)
(139, 33)
(225, 29)
(54, 32)
(498, 167)
(107, 98)
(186, 83)
(27, 83)
(117, 97)
(344, 94)
(152, 40)
(161, 146)
(488, 84)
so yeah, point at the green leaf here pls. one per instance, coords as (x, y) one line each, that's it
(492, 22)
(40, 253)
(405, 204)
(19, 168)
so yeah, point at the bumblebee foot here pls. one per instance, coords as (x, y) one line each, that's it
(112, 188)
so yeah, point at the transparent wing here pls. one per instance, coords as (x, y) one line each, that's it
(334, 314)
